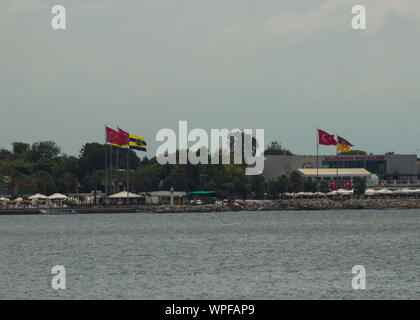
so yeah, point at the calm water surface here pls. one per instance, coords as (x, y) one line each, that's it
(241, 255)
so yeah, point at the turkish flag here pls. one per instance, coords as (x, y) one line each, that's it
(333, 185)
(347, 184)
(112, 136)
(124, 137)
(326, 139)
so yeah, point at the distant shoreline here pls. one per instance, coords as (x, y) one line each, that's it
(269, 205)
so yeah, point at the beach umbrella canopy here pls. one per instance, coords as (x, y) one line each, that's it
(344, 191)
(37, 196)
(370, 192)
(18, 200)
(4, 199)
(123, 194)
(332, 193)
(57, 196)
(384, 191)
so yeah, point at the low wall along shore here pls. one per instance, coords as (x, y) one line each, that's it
(268, 205)
(293, 204)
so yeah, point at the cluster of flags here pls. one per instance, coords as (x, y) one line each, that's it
(122, 139)
(326, 139)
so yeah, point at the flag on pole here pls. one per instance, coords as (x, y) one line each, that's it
(112, 136)
(124, 137)
(137, 143)
(325, 138)
(348, 185)
(343, 144)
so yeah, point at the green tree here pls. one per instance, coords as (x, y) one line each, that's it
(359, 186)
(324, 186)
(70, 182)
(272, 189)
(354, 153)
(20, 148)
(44, 181)
(94, 180)
(146, 178)
(283, 184)
(296, 182)
(43, 149)
(5, 155)
(274, 148)
(309, 185)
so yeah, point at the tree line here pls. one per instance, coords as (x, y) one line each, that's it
(42, 164)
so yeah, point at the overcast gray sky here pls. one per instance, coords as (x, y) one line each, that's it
(283, 66)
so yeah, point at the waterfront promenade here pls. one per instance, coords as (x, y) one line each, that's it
(262, 205)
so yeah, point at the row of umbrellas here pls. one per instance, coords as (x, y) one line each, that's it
(317, 194)
(368, 192)
(38, 196)
(384, 191)
(59, 196)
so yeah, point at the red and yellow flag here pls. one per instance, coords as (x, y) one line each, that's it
(343, 144)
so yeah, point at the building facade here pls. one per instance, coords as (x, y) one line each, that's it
(391, 169)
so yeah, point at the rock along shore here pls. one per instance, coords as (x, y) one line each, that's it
(267, 205)
(291, 204)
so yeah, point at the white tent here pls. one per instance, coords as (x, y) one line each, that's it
(57, 196)
(384, 191)
(289, 194)
(123, 195)
(370, 192)
(345, 192)
(37, 196)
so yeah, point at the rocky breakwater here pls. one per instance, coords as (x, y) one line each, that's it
(290, 204)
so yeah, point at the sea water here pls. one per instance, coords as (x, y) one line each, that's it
(229, 255)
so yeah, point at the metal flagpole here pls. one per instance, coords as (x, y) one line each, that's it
(111, 182)
(128, 186)
(106, 166)
(118, 180)
(317, 163)
(337, 162)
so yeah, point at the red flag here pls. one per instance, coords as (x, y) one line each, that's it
(124, 137)
(347, 184)
(112, 136)
(326, 139)
(333, 185)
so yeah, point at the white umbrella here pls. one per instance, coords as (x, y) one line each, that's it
(4, 199)
(370, 192)
(18, 200)
(384, 191)
(37, 196)
(345, 192)
(57, 196)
